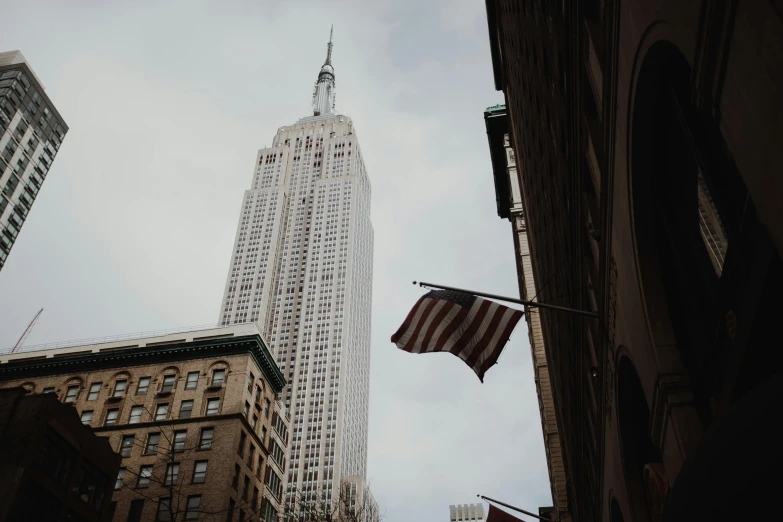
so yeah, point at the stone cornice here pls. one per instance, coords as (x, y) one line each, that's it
(35, 365)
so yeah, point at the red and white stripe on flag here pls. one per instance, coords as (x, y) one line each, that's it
(472, 328)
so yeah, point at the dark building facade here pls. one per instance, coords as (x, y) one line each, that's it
(647, 136)
(52, 467)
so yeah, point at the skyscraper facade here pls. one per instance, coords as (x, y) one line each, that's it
(31, 132)
(302, 269)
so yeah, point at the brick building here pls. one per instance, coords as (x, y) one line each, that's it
(195, 416)
(508, 192)
(51, 467)
(647, 137)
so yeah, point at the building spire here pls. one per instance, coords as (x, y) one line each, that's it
(329, 48)
(323, 96)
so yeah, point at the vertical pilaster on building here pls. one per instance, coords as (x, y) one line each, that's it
(302, 268)
(31, 132)
(508, 183)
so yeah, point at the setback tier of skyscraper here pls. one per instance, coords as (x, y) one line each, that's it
(302, 268)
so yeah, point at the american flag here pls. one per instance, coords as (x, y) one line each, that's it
(472, 328)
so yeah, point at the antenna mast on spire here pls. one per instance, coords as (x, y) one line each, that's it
(29, 329)
(329, 48)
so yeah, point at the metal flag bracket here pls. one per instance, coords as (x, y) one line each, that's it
(535, 304)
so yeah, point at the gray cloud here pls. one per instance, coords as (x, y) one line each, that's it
(167, 105)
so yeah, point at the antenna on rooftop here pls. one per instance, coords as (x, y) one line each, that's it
(27, 331)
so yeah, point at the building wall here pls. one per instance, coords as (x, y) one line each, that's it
(302, 267)
(31, 132)
(237, 393)
(51, 466)
(634, 390)
(527, 290)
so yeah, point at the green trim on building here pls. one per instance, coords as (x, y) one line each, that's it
(35, 365)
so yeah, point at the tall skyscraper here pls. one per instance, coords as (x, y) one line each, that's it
(31, 132)
(302, 268)
(466, 513)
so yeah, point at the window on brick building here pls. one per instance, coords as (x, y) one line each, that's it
(86, 417)
(205, 442)
(161, 412)
(235, 478)
(192, 381)
(95, 389)
(218, 377)
(245, 487)
(144, 386)
(172, 473)
(168, 383)
(119, 388)
(153, 439)
(230, 511)
(213, 406)
(242, 440)
(193, 507)
(135, 414)
(126, 446)
(200, 472)
(185, 409)
(164, 510)
(179, 441)
(71, 393)
(111, 417)
(120, 478)
(145, 474)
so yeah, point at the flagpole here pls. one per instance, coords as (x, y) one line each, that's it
(512, 300)
(528, 513)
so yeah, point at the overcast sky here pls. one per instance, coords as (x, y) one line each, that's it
(167, 104)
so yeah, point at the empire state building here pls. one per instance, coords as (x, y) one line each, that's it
(302, 268)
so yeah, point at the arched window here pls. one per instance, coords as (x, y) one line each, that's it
(685, 204)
